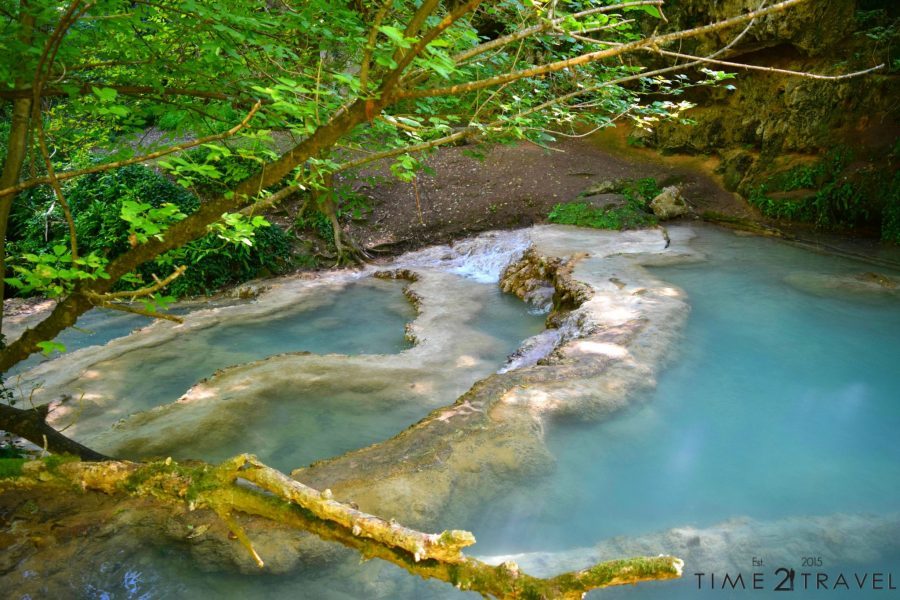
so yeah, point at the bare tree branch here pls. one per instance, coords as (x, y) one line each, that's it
(804, 74)
(138, 311)
(127, 90)
(366, 63)
(595, 56)
(545, 26)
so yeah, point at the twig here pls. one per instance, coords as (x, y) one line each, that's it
(370, 47)
(545, 26)
(108, 300)
(241, 536)
(139, 311)
(592, 56)
(271, 199)
(45, 65)
(140, 293)
(804, 74)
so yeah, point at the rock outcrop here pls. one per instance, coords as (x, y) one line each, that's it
(799, 149)
(669, 204)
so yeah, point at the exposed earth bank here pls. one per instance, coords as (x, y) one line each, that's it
(518, 185)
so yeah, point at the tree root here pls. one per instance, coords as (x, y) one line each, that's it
(243, 484)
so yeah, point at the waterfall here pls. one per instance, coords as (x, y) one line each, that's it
(481, 258)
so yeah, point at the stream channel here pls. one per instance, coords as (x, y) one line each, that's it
(772, 430)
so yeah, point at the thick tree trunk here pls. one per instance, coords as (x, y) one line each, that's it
(31, 424)
(279, 498)
(16, 149)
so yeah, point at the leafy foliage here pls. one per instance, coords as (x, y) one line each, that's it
(217, 263)
(839, 197)
(56, 272)
(281, 97)
(116, 210)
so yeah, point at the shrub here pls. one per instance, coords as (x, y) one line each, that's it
(37, 224)
(841, 199)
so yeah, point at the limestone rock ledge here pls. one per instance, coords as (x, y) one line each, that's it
(620, 323)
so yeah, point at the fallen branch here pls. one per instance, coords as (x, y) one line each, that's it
(277, 497)
(109, 299)
(31, 424)
(138, 311)
(140, 293)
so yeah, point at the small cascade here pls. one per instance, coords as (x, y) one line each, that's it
(481, 258)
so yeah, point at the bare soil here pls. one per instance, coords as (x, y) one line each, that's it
(515, 186)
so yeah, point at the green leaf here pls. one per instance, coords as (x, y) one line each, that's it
(395, 36)
(47, 348)
(105, 94)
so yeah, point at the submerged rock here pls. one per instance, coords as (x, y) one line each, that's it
(872, 286)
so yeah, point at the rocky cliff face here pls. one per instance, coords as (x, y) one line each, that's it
(798, 148)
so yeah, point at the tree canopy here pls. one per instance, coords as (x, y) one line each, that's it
(277, 97)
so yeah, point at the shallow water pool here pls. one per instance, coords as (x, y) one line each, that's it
(298, 425)
(781, 403)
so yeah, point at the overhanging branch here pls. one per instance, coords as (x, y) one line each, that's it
(553, 67)
(134, 160)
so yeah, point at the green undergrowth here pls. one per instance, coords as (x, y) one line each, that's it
(633, 214)
(839, 197)
(11, 464)
(11, 467)
(37, 225)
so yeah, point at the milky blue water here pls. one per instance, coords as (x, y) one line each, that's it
(93, 328)
(779, 403)
(181, 362)
(293, 429)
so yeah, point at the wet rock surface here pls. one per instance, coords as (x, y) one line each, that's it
(619, 323)
(492, 435)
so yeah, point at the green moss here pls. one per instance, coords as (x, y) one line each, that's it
(10, 450)
(203, 480)
(147, 472)
(11, 467)
(839, 197)
(890, 214)
(634, 214)
(55, 460)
